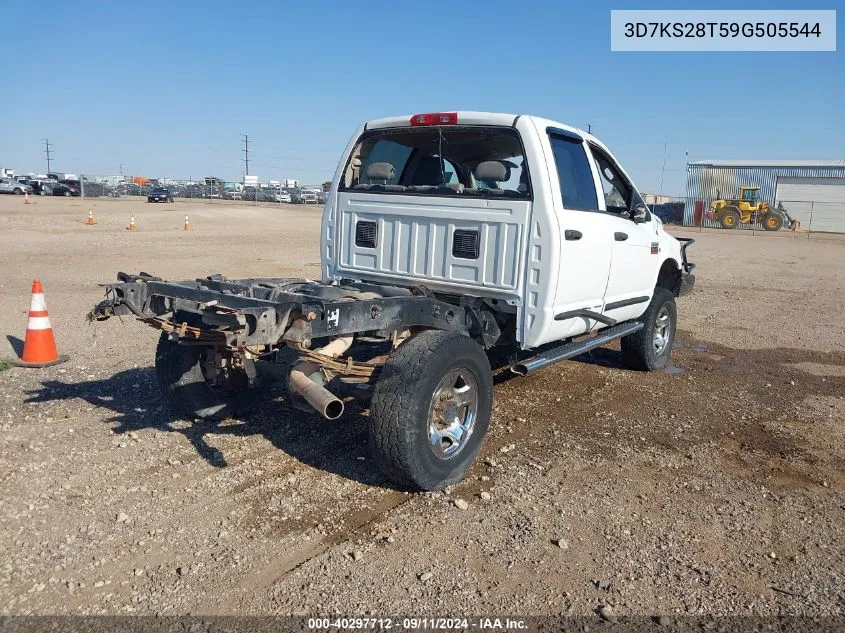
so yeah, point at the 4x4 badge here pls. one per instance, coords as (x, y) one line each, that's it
(655, 248)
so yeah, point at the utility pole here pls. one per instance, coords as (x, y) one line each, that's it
(47, 152)
(663, 170)
(245, 150)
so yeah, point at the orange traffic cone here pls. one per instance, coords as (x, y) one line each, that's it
(39, 348)
(132, 223)
(91, 217)
(26, 197)
(187, 224)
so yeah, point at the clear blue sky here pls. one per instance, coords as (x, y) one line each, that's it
(167, 88)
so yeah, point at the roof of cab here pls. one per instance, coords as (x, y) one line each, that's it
(466, 117)
(469, 117)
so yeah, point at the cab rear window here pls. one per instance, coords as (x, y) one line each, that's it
(466, 161)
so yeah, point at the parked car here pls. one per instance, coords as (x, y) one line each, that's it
(73, 186)
(94, 189)
(258, 195)
(159, 194)
(305, 196)
(283, 196)
(41, 187)
(61, 189)
(670, 212)
(7, 185)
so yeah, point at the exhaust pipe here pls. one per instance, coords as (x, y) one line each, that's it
(324, 401)
(299, 380)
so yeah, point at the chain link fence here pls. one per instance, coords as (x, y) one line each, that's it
(800, 216)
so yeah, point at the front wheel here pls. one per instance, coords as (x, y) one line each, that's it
(17, 191)
(729, 218)
(67, 194)
(649, 348)
(430, 410)
(198, 387)
(772, 221)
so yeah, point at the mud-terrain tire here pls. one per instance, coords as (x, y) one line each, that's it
(433, 378)
(729, 218)
(181, 380)
(649, 348)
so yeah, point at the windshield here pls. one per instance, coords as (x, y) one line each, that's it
(160, 190)
(466, 161)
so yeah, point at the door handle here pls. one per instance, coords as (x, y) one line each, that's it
(619, 236)
(571, 235)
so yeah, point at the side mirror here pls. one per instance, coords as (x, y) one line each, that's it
(640, 213)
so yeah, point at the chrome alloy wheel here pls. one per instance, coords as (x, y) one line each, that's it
(452, 413)
(662, 331)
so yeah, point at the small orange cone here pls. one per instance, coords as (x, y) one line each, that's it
(26, 197)
(132, 223)
(187, 224)
(39, 348)
(91, 218)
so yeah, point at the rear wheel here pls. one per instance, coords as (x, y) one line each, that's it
(67, 194)
(184, 374)
(649, 348)
(431, 409)
(772, 221)
(729, 218)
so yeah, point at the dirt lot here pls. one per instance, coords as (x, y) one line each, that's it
(713, 487)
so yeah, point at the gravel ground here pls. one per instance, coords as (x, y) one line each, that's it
(714, 487)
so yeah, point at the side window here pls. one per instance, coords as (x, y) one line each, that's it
(617, 191)
(577, 187)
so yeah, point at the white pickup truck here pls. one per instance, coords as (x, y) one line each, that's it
(445, 236)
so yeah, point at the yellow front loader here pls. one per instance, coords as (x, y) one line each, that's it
(749, 209)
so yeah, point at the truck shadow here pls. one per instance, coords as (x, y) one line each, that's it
(132, 397)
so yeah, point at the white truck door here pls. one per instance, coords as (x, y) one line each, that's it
(585, 243)
(634, 246)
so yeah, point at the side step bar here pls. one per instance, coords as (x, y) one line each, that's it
(568, 350)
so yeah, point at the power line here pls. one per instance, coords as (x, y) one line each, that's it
(47, 151)
(245, 150)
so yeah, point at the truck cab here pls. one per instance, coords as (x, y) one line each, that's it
(536, 217)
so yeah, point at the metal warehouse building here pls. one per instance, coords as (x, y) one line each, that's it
(812, 191)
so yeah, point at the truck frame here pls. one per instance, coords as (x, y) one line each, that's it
(414, 345)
